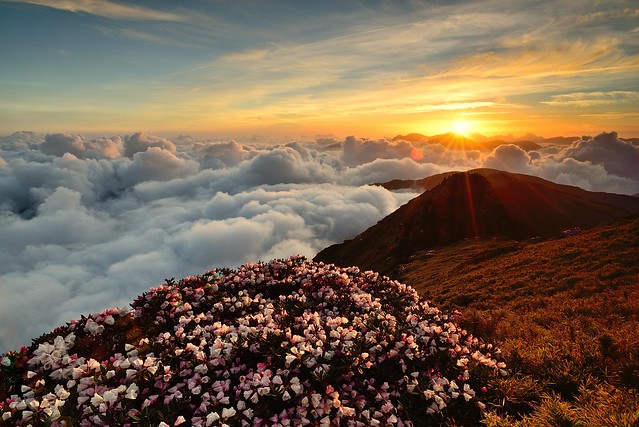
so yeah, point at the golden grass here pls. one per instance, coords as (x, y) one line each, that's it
(564, 311)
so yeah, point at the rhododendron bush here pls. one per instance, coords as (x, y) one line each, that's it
(290, 342)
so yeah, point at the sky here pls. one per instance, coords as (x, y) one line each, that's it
(293, 68)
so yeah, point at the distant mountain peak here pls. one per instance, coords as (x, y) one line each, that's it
(455, 141)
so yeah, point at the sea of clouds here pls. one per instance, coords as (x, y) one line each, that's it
(90, 223)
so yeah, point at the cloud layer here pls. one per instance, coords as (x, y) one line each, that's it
(89, 223)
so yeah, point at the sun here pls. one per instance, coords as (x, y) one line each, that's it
(461, 127)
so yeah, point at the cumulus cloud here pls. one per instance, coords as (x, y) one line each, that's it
(510, 158)
(217, 155)
(58, 144)
(617, 156)
(360, 151)
(156, 164)
(139, 142)
(89, 223)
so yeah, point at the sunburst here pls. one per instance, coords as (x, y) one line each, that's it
(461, 127)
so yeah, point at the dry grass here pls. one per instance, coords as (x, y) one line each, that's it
(565, 312)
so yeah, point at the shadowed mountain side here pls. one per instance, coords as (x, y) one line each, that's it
(477, 203)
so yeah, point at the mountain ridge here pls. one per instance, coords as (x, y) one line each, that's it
(473, 204)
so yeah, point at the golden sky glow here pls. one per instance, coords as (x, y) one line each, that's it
(292, 68)
(462, 127)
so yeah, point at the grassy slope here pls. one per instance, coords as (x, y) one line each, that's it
(564, 311)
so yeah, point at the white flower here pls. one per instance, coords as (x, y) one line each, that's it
(296, 386)
(228, 412)
(96, 400)
(289, 359)
(132, 392)
(110, 396)
(211, 418)
(6, 361)
(93, 328)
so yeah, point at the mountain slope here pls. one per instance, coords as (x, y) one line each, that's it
(477, 203)
(564, 311)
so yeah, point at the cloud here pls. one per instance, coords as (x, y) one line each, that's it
(89, 223)
(509, 158)
(591, 99)
(156, 164)
(58, 144)
(358, 151)
(245, 56)
(617, 156)
(107, 9)
(140, 142)
(20, 141)
(217, 155)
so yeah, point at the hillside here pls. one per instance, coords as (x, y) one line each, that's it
(477, 203)
(285, 343)
(565, 312)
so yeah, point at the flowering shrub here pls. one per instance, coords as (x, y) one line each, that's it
(290, 342)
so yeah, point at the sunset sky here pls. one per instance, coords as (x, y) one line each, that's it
(369, 68)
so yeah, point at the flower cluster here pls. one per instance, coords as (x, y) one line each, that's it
(289, 342)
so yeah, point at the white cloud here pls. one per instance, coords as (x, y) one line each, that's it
(89, 223)
(510, 158)
(107, 9)
(358, 151)
(590, 99)
(156, 164)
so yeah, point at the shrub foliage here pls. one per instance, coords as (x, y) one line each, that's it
(289, 342)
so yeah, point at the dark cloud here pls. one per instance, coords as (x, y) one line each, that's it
(58, 144)
(89, 223)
